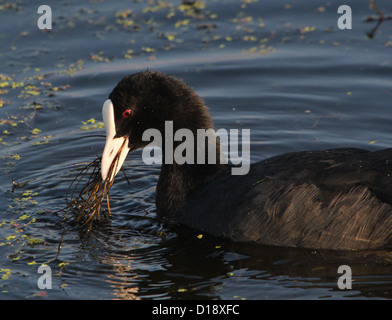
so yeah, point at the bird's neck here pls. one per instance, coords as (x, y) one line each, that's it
(177, 181)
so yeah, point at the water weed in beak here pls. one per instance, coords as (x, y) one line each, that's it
(87, 204)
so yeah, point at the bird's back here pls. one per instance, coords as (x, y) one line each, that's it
(332, 199)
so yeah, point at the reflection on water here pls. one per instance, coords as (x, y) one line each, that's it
(183, 267)
(281, 69)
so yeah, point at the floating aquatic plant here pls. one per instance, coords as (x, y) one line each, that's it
(86, 204)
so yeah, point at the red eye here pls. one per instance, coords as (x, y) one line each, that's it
(127, 113)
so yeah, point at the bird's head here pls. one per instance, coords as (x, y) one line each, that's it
(143, 101)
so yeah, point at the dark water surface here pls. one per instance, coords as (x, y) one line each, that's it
(280, 68)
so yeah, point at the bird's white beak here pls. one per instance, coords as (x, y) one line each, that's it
(112, 145)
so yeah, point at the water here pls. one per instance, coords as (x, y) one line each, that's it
(280, 68)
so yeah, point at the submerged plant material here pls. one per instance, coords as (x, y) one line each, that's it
(86, 205)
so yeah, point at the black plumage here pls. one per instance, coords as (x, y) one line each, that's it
(332, 199)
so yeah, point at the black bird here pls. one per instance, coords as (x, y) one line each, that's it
(331, 199)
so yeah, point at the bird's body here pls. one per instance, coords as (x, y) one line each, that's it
(331, 199)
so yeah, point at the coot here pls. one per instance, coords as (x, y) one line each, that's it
(331, 199)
